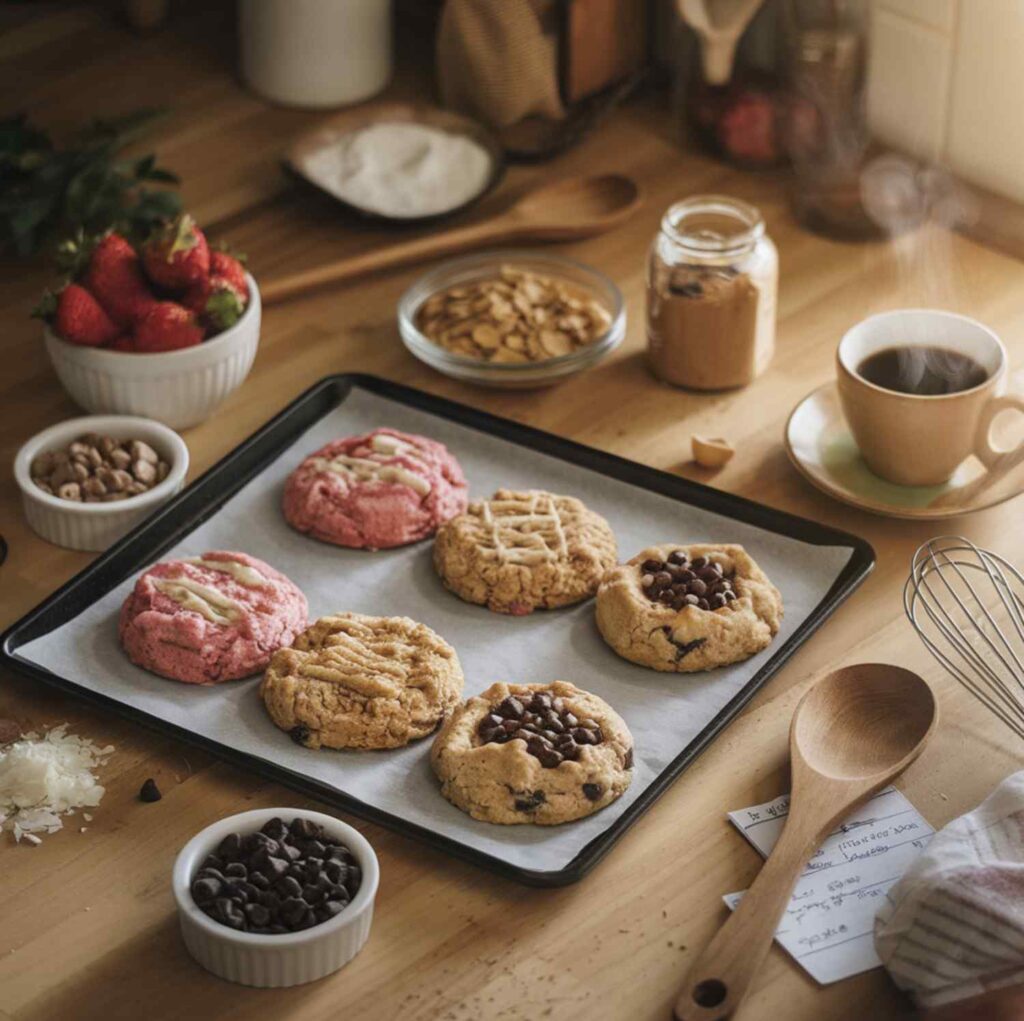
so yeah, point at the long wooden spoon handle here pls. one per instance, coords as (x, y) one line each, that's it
(402, 254)
(720, 978)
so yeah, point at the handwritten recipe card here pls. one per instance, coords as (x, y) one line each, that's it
(829, 924)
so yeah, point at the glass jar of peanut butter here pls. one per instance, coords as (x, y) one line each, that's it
(712, 279)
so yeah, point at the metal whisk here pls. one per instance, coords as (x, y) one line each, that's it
(967, 604)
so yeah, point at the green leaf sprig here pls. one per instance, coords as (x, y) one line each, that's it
(45, 191)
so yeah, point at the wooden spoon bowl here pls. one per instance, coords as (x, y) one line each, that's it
(852, 733)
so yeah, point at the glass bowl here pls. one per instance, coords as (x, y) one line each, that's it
(503, 374)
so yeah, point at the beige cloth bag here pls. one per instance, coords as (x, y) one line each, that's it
(497, 60)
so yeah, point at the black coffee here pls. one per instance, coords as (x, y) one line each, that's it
(928, 371)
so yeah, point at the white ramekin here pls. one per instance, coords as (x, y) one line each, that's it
(285, 960)
(178, 388)
(95, 526)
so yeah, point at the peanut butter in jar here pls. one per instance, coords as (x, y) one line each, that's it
(711, 290)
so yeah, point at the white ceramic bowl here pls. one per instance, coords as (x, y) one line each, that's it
(95, 526)
(178, 388)
(284, 960)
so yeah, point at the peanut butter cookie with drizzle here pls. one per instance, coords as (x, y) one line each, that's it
(684, 609)
(533, 753)
(212, 618)
(352, 681)
(520, 551)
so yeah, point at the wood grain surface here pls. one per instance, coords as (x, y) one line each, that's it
(87, 924)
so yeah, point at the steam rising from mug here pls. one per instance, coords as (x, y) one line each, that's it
(919, 207)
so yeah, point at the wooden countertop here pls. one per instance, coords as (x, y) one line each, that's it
(87, 924)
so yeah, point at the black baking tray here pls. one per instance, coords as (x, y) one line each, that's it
(199, 501)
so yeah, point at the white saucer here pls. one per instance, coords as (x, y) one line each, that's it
(822, 449)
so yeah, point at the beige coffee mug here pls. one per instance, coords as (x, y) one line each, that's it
(914, 439)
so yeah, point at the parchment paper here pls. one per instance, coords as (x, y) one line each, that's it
(663, 711)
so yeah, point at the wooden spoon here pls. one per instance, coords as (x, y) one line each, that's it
(852, 733)
(566, 210)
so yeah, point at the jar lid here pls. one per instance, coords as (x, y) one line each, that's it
(713, 224)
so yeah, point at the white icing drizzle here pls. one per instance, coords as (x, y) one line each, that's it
(522, 532)
(205, 600)
(368, 469)
(242, 573)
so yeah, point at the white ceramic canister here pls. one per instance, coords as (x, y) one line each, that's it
(315, 53)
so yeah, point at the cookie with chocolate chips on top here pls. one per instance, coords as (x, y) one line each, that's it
(689, 608)
(533, 753)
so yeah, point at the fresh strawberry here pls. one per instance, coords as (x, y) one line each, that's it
(78, 317)
(216, 301)
(230, 267)
(122, 343)
(176, 255)
(115, 277)
(167, 326)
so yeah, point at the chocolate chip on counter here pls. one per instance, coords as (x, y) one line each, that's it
(299, 733)
(593, 791)
(149, 791)
(680, 583)
(282, 878)
(552, 732)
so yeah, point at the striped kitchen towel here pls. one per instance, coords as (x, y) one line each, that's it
(953, 926)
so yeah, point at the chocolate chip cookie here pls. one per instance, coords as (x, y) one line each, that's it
(351, 681)
(520, 551)
(688, 608)
(533, 753)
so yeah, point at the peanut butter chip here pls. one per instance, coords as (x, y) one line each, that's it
(515, 317)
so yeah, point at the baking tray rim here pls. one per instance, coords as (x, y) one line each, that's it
(336, 388)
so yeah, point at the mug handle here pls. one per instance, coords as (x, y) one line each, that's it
(989, 456)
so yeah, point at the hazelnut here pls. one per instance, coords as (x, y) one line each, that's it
(120, 458)
(711, 453)
(95, 457)
(144, 471)
(162, 471)
(78, 447)
(106, 445)
(143, 452)
(80, 472)
(70, 491)
(93, 487)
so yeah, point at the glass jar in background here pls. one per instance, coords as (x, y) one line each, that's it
(826, 136)
(712, 280)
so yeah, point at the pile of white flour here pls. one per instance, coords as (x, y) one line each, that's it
(402, 170)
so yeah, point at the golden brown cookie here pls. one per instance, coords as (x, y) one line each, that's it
(688, 608)
(520, 551)
(533, 753)
(351, 681)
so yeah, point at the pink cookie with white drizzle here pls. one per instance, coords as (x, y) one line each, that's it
(376, 491)
(212, 618)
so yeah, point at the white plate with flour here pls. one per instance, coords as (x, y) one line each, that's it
(405, 164)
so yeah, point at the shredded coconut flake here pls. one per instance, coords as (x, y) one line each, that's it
(43, 777)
